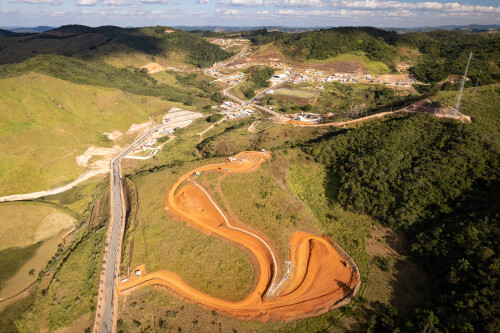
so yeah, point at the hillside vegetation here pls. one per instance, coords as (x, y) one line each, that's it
(97, 74)
(438, 180)
(81, 41)
(63, 119)
(435, 54)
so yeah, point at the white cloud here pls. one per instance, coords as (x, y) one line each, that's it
(58, 13)
(245, 3)
(154, 1)
(228, 12)
(117, 3)
(86, 2)
(8, 11)
(300, 3)
(202, 1)
(40, 2)
(436, 6)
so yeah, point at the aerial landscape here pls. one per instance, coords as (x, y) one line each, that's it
(249, 166)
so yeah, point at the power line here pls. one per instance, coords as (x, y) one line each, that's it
(457, 106)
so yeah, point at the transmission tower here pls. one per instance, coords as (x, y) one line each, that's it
(457, 106)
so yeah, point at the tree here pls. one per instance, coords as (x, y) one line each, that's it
(307, 108)
(215, 118)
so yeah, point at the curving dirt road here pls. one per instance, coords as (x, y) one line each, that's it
(322, 275)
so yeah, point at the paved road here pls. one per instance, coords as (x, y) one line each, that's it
(245, 47)
(112, 257)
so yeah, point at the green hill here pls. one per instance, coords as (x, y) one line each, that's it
(7, 33)
(377, 44)
(46, 122)
(81, 41)
(436, 180)
(96, 74)
(436, 54)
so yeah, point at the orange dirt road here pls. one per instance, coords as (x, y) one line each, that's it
(321, 275)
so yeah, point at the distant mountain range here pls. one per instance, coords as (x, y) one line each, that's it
(38, 29)
(235, 28)
(473, 28)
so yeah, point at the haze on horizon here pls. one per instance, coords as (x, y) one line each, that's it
(303, 13)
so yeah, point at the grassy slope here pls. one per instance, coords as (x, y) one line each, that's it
(25, 220)
(70, 290)
(96, 73)
(159, 242)
(63, 119)
(86, 42)
(13, 258)
(72, 293)
(260, 200)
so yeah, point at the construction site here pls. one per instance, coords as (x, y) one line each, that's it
(319, 275)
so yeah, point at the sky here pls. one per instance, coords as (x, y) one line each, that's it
(291, 13)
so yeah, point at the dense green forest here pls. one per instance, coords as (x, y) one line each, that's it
(96, 74)
(446, 52)
(438, 181)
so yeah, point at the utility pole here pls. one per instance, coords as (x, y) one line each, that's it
(457, 106)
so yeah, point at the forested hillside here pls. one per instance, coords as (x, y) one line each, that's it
(83, 41)
(446, 52)
(329, 43)
(443, 53)
(96, 74)
(438, 181)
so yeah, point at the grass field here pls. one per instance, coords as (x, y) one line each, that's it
(155, 239)
(302, 94)
(46, 122)
(236, 139)
(262, 201)
(30, 223)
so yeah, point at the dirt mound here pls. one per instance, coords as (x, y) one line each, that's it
(321, 275)
(153, 67)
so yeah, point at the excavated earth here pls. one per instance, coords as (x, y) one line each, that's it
(321, 275)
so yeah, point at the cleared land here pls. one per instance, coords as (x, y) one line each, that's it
(302, 94)
(314, 260)
(353, 63)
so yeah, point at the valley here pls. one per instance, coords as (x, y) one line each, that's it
(154, 179)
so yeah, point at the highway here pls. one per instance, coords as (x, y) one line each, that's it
(106, 299)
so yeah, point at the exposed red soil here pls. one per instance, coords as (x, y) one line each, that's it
(322, 275)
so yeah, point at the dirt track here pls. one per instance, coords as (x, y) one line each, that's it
(322, 275)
